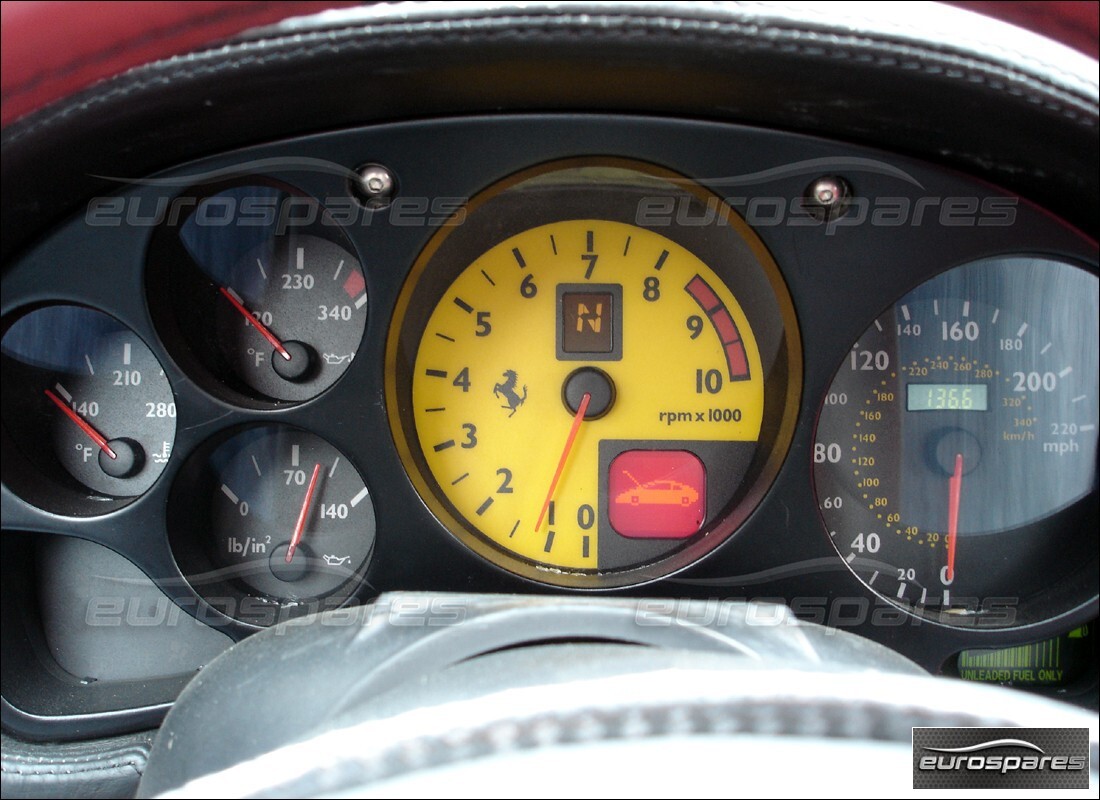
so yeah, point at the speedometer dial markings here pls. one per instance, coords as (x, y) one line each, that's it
(933, 415)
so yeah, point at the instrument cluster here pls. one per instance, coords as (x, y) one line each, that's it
(659, 357)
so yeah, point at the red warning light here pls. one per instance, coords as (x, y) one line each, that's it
(657, 494)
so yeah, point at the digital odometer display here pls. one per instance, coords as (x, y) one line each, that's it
(947, 397)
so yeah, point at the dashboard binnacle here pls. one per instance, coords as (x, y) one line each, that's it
(592, 354)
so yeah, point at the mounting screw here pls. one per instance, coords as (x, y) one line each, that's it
(375, 185)
(828, 197)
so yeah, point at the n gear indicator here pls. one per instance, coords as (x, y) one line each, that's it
(590, 322)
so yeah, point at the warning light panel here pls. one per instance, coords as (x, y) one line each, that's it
(657, 494)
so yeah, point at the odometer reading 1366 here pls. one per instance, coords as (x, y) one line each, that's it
(958, 438)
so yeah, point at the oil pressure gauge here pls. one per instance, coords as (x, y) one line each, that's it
(584, 399)
(272, 521)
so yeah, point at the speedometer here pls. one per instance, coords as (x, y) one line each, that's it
(981, 379)
(584, 398)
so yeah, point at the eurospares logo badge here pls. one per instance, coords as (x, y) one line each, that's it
(1000, 758)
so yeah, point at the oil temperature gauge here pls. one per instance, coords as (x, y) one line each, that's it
(290, 521)
(271, 305)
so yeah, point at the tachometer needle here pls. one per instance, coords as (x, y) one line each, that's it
(578, 418)
(953, 497)
(302, 515)
(97, 437)
(272, 339)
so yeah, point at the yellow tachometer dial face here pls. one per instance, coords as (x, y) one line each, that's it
(586, 390)
(628, 311)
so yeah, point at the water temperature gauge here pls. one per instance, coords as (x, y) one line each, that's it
(92, 403)
(289, 520)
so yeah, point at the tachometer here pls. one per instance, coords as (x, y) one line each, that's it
(960, 433)
(588, 395)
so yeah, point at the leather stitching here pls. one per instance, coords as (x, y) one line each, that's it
(528, 30)
(36, 771)
(829, 17)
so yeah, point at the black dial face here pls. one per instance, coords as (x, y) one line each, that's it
(290, 520)
(970, 383)
(274, 311)
(82, 392)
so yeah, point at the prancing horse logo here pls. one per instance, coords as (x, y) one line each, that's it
(506, 391)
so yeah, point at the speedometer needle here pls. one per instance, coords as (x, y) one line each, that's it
(97, 437)
(578, 418)
(272, 339)
(300, 527)
(953, 497)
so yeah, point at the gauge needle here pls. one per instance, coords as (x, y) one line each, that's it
(954, 495)
(93, 434)
(272, 339)
(578, 418)
(302, 515)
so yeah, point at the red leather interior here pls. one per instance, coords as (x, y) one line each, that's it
(50, 50)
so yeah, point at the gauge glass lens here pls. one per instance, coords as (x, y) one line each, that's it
(958, 440)
(272, 304)
(589, 396)
(90, 397)
(290, 515)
